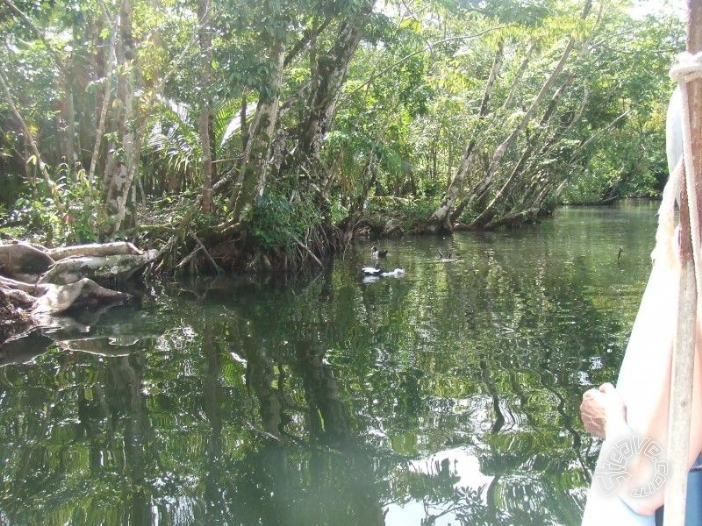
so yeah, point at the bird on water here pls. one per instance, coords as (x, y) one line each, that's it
(377, 253)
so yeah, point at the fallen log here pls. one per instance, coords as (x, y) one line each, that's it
(84, 292)
(104, 269)
(37, 284)
(23, 262)
(118, 248)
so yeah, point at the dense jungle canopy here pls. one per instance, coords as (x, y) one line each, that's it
(240, 134)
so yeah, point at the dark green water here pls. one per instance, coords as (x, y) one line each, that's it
(447, 396)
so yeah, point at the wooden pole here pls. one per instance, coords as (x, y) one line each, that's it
(684, 355)
(681, 380)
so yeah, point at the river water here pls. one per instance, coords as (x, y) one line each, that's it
(446, 396)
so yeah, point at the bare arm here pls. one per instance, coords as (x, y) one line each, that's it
(604, 415)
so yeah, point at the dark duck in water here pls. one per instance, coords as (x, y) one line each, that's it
(377, 253)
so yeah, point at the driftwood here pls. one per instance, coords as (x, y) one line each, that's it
(37, 283)
(23, 262)
(96, 249)
(84, 292)
(110, 269)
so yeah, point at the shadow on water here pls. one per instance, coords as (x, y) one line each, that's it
(446, 396)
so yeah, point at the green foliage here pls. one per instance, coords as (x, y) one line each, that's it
(39, 219)
(63, 213)
(407, 109)
(411, 212)
(278, 225)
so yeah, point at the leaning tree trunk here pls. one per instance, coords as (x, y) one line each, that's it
(440, 216)
(328, 76)
(503, 193)
(28, 135)
(518, 77)
(456, 214)
(480, 192)
(538, 179)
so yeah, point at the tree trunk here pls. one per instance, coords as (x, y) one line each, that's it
(538, 179)
(69, 132)
(503, 193)
(106, 97)
(122, 174)
(328, 75)
(206, 114)
(518, 77)
(441, 214)
(480, 191)
(254, 166)
(456, 214)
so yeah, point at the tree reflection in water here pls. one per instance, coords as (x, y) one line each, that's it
(448, 396)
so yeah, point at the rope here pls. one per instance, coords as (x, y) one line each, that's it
(688, 67)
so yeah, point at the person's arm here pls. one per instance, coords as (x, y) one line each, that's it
(604, 414)
(644, 381)
(603, 411)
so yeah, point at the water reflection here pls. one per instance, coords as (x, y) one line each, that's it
(446, 396)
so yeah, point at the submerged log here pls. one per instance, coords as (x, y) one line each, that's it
(84, 292)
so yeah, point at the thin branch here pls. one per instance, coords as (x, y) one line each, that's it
(54, 54)
(600, 132)
(214, 263)
(427, 47)
(25, 129)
